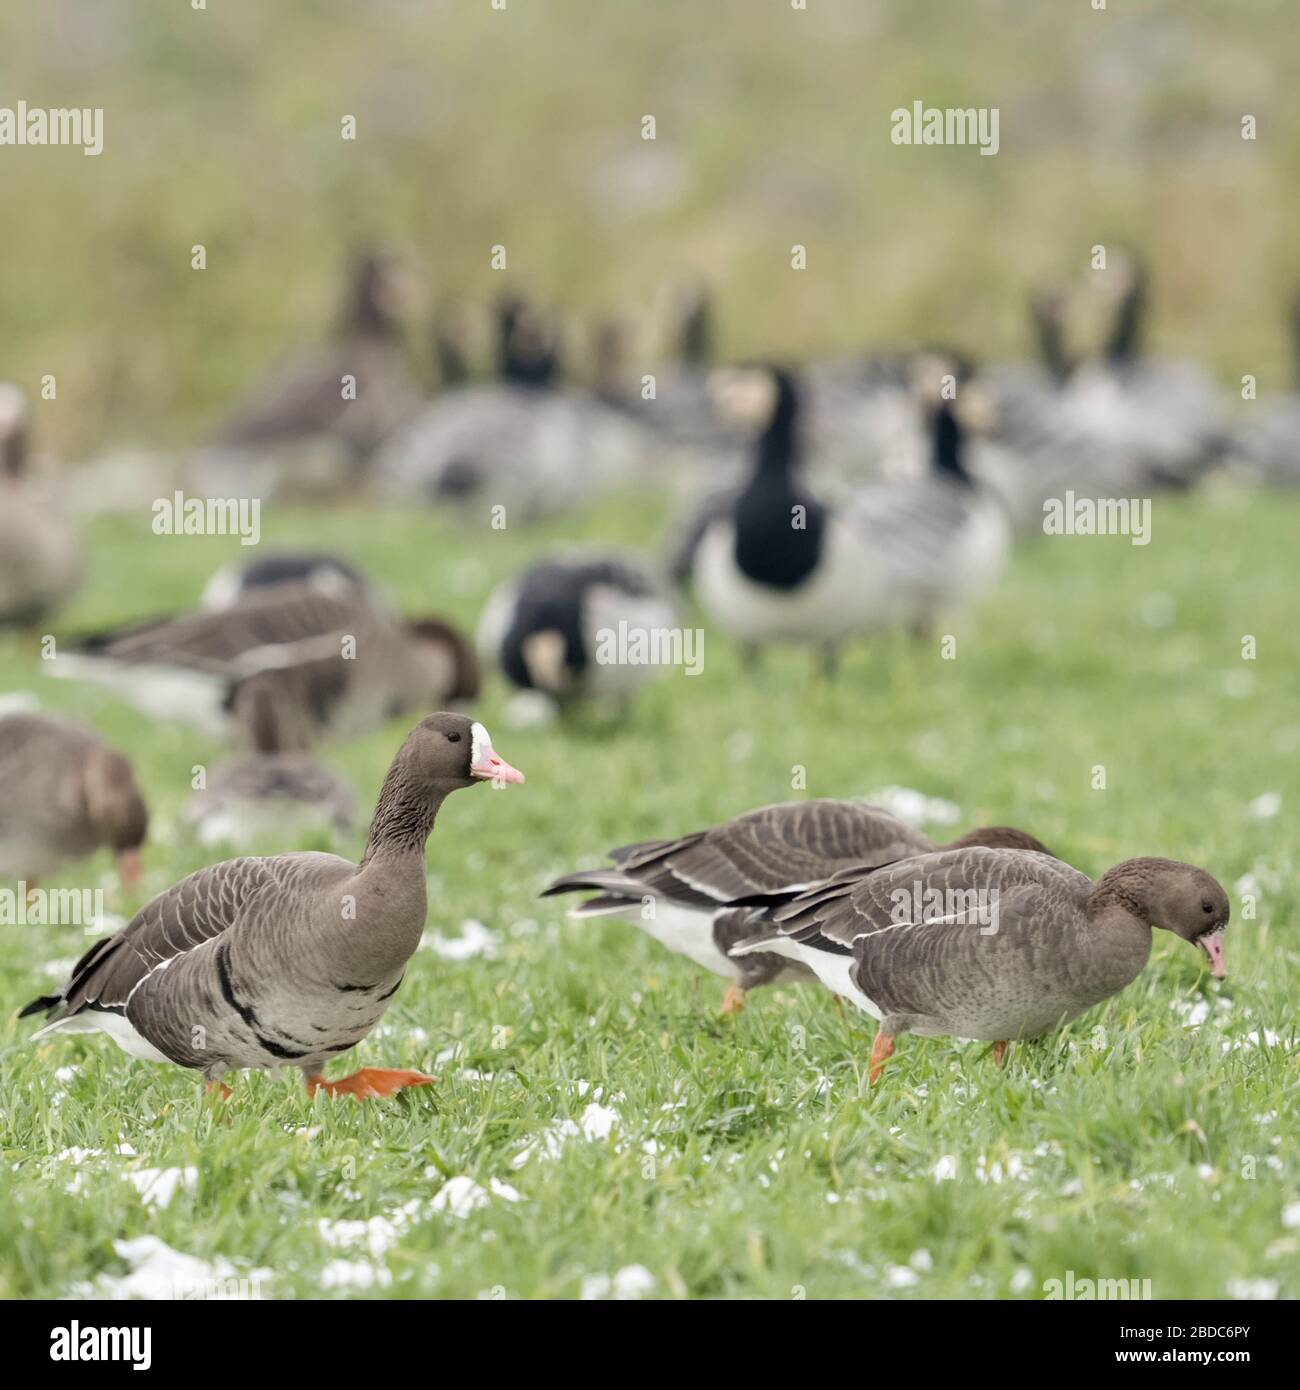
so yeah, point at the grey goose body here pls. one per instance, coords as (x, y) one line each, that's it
(988, 943)
(331, 665)
(703, 895)
(776, 563)
(64, 794)
(310, 428)
(289, 959)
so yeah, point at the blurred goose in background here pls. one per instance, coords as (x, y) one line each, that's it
(525, 442)
(288, 958)
(572, 628)
(64, 794)
(705, 893)
(777, 563)
(301, 433)
(269, 791)
(332, 666)
(1167, 414)
(41, 559)
(1265, 444)
(1098, 419)
(317, 569)
(995, 944)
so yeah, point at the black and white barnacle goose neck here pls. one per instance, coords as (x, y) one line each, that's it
(778, 563)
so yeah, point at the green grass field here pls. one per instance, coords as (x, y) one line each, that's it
(1152, 1139)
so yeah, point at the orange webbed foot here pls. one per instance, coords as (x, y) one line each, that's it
(734, 1000)
(881, 1051)
(370, 1083)
(1000, 1053)
(225, 1090)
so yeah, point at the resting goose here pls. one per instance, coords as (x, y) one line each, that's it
(41, 562)
(333, 666)
(705, 893)
(328, 574)
(285, 960)
(268, 790)
(64, 794)
(780, 564)
(996, 944)
(524, 442)
(304, 432)
(559, 627)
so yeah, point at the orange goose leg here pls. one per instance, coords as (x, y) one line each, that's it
(881, 1051)
(734, 1000)
(211, 1086)
(1000, 1052)
(370, 1083)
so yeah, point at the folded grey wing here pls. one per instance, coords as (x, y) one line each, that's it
(195, 910)
(781, 849)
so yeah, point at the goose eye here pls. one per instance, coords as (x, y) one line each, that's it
(1206, 905)
(455, 738)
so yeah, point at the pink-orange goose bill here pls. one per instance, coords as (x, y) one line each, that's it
(491, 767)
(1212, 945)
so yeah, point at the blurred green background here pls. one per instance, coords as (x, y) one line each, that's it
(523, 127)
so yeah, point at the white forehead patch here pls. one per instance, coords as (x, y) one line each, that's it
(481, 740)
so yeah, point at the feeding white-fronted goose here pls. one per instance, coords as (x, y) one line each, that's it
(286, 960)
(780, 564)
(525, 442)
(703, 894)
(312, 428)
(334, 667)
(579, 626)
(997, 944)
(64, 794)
(269, 791)
(41, 561)
(329, 574)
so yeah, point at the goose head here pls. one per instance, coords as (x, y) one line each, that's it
(1178, 898)
(755, 397)
(1193, 905)
(381, 295)
(447, 751)
(117, 810)
(1000, 837)
(437, 644)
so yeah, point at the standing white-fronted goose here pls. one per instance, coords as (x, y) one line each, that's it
(334, 666)
(64, 794)
(996, 944)
(703, 894)
(569, 626)
(310, 429)
(780, 564)
(286, 960)
(41, 560)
